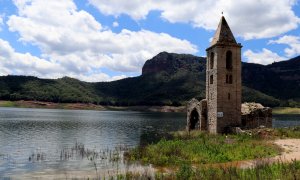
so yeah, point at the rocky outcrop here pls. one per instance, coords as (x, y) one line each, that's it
(256, 115)
(171, 63)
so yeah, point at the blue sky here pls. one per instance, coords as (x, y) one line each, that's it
(100, 40)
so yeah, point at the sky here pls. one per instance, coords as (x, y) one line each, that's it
(106, 40)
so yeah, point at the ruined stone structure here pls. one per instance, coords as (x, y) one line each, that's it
(221, 109)
(197, 114)
(255, 115)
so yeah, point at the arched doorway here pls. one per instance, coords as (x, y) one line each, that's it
(194, 120)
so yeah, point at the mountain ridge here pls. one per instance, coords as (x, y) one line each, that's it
(167, 79)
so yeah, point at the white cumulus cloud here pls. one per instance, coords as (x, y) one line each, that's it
(249, 19)
(292, 41)
(12, 62)
(115, 24)
(137, 9)
(74, 40)
(264, 57)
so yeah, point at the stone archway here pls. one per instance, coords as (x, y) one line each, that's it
(194, 120)
(196, 115)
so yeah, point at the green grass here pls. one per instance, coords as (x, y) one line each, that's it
(277, 170)
(286, 110)
(266, 170)
(293, 132)
(274, 133)
(202, 148)
(7, 104)
(192, 156)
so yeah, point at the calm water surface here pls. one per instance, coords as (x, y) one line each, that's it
(28, 132)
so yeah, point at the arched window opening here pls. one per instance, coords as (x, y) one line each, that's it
(229, 60)
(230, 79)
(228, 96)
(212, 58)
(227, 79)
(211, 79)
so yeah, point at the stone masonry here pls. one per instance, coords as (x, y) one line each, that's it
(223, 80)
(222, 107)
(253, 115)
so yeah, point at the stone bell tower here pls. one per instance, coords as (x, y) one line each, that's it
(223, 80)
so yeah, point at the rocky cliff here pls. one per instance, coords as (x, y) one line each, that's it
(171, 63)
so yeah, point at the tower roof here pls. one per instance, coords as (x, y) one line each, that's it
(223, 34)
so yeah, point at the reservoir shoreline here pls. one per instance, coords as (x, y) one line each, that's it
(90, 106)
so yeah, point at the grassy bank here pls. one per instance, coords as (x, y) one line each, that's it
(88, 106)
(286, 110)
(277, 170)
(292, 132)
(265, 170)
(202, 156)
(202, 148)
(7, 104)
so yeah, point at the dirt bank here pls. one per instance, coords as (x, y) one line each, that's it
(89, 106)
(291, 151)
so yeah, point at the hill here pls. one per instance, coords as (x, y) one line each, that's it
(167, 79)
(280, 79)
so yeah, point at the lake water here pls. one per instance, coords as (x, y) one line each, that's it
(37, 141)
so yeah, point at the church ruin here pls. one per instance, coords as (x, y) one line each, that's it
(222, 107)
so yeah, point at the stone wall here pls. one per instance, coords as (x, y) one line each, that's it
(255, 115)
(197, 115)
(229, 94)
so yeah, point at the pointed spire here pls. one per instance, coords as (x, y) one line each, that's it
(223, 34)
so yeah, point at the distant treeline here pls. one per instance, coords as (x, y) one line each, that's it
(167, 79)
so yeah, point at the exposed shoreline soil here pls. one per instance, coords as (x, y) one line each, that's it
(291, 152)
(89, 106)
